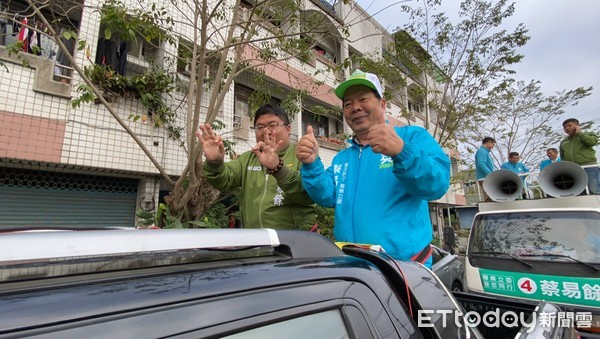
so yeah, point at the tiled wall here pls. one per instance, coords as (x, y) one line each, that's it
(30, 138)
(42, 127)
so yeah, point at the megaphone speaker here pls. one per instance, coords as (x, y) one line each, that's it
(563, 179)
(503, 185)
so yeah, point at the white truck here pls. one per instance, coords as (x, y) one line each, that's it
(542, 249)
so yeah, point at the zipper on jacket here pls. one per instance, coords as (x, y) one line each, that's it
(262, 200)
(572, 142)
(354, 209)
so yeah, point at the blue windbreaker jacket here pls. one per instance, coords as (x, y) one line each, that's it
(516, 168)
(548, 162)
(380, 199)
(483, 163)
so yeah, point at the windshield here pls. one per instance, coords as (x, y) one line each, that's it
(539, 235)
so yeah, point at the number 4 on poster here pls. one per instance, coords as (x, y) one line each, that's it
(527, 285)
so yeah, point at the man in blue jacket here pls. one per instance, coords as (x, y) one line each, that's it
(381, 183)
(514, 165)
(553, 157)
(483, 164)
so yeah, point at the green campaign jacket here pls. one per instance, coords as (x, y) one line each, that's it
(579, 148)
(267, 201)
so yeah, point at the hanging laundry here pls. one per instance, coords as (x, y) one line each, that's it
(15, 28)
(49, 48)
(2, 33)
(107, 53)
(113, 54)
(24, 34)
(35, 44)
(122, 53)
(3, 25)
(61, 57)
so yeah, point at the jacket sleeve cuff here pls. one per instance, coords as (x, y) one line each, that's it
(214, 166)
(313, 166)
(406, 154)
(283, 173)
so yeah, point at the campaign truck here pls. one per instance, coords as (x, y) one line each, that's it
(539, 249)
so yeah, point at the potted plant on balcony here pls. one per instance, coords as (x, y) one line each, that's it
(335, 140)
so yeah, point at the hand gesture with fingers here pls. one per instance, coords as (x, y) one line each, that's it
(383, 138)
(212, 143)
(307, 148)
(266, 150)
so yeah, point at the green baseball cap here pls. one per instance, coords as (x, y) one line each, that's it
(359, 78)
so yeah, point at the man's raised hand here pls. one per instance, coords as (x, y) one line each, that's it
(383, 139)
(307, 148)
(266, 150)
(212, 144)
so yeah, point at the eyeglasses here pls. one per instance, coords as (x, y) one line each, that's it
(271, 126)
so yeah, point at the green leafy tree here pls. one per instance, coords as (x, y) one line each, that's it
(325, 218)
(454, 62)
(224, 39)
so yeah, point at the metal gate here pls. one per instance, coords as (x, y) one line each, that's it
(41, 199)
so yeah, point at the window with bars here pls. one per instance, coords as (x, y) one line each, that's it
(319, 123)
(242, 105)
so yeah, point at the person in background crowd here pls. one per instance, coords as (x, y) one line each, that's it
(514, 165)
(578, 147)
(483, 163)
(553, 157)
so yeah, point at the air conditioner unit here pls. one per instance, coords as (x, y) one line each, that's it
(243, 15)
(237, 122)
(142, 49)
(246, 123)
(241, 126)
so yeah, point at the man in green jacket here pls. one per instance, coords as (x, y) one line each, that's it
(272, 194)
(578, 147)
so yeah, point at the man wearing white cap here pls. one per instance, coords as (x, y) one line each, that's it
(381, 183)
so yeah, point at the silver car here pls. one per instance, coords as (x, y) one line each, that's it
(448, 268)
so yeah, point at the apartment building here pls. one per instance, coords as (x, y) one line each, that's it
(64, 166)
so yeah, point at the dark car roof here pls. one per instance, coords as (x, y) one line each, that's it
(147, 270)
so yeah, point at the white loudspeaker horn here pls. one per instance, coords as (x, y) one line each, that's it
(503, 185)
(563, 179)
